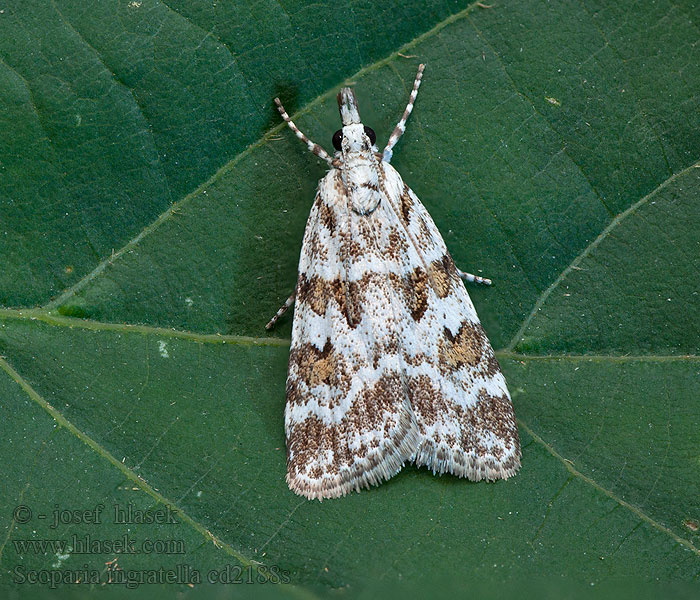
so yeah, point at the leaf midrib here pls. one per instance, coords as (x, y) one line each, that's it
(58, 320)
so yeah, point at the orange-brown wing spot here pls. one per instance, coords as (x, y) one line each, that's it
(443, 275)
(468, 348)
(463, 349)
(414, 289)
(316, 293)
(313, 292)
(319, 367)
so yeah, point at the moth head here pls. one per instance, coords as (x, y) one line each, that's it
(354, 136)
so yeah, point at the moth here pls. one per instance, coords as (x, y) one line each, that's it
(388, 363)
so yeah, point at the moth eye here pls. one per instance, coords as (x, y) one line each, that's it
(369, 132)
(337, 138)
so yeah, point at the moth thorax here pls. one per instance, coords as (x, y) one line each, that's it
(364, 187)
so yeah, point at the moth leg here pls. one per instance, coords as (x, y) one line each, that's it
(473, 278)
(313, 147)
(401, 125)
(283, 309)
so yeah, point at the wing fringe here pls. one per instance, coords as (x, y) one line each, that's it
(443, 459)
(372, 470)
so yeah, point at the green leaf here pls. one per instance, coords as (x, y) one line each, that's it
(154, 207)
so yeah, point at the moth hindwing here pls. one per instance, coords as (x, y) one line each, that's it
(388, 363)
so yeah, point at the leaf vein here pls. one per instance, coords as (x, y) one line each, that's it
(126, 471)
(163, 217)
(588, 249)
(591, 482)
